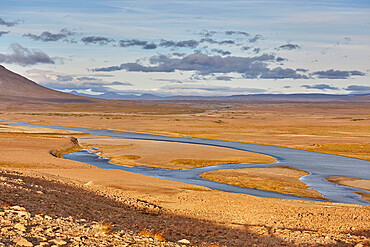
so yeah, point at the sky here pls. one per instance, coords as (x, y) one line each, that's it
(189, 47)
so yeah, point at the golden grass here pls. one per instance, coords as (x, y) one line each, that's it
(354, 150)
(129, 157)
(194, 163)
(281, 179)
(351, 182)
(326, 128)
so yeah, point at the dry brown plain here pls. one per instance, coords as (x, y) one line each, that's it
(232, 219)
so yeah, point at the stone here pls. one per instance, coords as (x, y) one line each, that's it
(184, 241)
(20, 227)
(58, 242)
(18, 208)
(23, 242)
(88, 183)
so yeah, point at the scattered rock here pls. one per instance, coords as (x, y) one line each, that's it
(59, 242)
(88, 183)
(23, 242)
(184, 241)
(20, 227)
(18, 208)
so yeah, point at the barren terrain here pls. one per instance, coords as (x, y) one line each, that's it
(175, 210)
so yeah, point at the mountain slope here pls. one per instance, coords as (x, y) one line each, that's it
(14, 87)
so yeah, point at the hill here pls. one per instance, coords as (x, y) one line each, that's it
(18, 89)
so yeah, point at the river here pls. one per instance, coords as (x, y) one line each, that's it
(319, 165)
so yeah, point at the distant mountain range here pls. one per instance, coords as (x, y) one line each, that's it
(237, 98)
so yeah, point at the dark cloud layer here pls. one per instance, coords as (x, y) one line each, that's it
(24, 57)
(249, 67)
(320, 87)
(358, 89)
(3, 33)
(96, 40)
(51, 37)
(9, 23)
(337, 74)
(289, 47)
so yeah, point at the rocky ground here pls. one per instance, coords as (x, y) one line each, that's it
(45, 224)
(44, 211)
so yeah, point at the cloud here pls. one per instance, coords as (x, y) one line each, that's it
(3, 33)
(207, 33)
(281, 73)
(256, 50)
(169, 80)
(358, 89)
(25, 57)
(179, 44)
(222, 52)
(337, 74)
(289, 47)
(236, 33)
(86, 78)
(320, 87)
(177, 54)
(64, 78)
(135, 42)
(120, 83)
(224, 78)
(249, 67)
(246, 48)
(255, 38)
(9, 23)
(302, 70)
(96, 40)
(51, 37)
(72, 81)
(213, 41)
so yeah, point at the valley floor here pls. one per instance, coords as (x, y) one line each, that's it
(51, 190)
